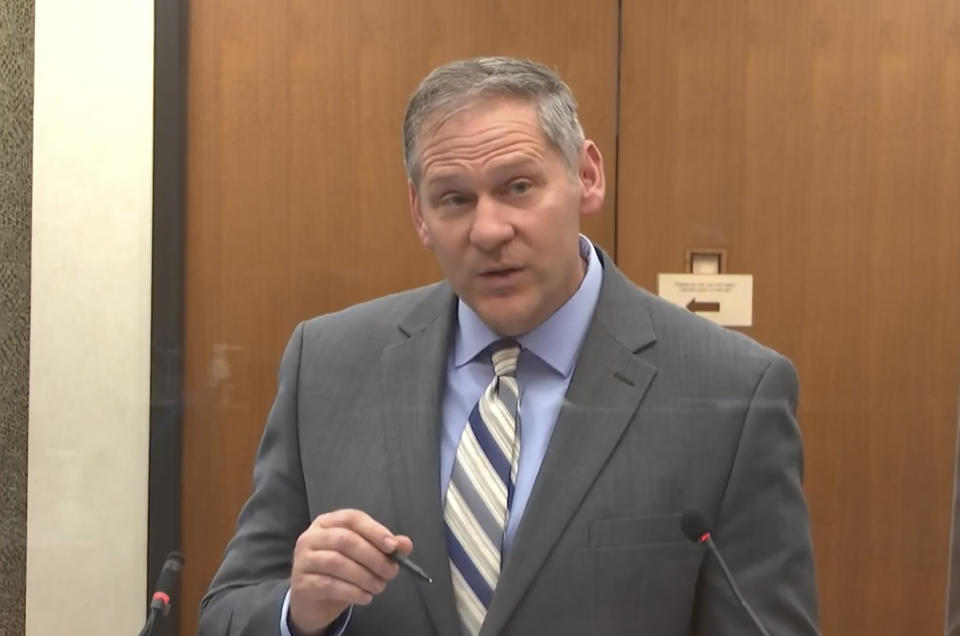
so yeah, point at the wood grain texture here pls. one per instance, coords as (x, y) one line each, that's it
(819, 143)
(296, 197)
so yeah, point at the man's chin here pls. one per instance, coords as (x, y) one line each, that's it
(505, 317)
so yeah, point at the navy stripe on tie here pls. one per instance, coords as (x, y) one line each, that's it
(469, 571)
(489, 445)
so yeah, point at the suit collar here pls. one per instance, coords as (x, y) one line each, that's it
(623, 308)
(435, 310)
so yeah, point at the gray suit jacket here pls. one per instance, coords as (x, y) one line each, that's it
(665, 413)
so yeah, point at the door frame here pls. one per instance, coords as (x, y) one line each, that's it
(167, 302)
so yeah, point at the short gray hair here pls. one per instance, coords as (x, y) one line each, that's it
(451, 87)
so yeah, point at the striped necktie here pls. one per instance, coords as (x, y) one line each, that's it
(481, 489)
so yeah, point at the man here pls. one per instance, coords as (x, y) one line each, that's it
(535, 425)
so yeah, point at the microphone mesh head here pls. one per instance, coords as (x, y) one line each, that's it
(694, 525)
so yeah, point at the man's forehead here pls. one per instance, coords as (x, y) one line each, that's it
(480, 112)
(441, 171)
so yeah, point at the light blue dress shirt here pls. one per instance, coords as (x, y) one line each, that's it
(547, 359)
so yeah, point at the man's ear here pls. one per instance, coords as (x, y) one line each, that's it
(417, 217)
(593, 185)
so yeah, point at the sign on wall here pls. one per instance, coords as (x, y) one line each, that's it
(726, 299)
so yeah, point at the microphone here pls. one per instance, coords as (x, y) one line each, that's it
(166, 583)
(695, 526)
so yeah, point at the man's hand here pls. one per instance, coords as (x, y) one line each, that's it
(340, 560)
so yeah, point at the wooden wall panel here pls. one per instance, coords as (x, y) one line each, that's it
(296, 198)
(819, 143)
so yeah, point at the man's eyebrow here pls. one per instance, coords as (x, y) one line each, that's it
(441, 178)
(447, 176)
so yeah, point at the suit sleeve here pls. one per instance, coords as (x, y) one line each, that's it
(247, 593)
(763, 528)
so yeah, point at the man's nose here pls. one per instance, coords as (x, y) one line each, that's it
(491, 224)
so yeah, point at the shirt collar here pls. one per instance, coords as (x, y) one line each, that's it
(557, 340)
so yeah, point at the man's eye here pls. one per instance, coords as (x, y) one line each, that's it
(520, 187)
(454, 200)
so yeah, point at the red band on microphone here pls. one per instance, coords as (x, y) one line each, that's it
(703, 539)
(161, 596)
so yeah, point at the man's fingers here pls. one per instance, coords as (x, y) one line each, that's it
(404, 544)
(351, 545)
(334, 564)
(330, 588)
(361, 523)
(342, 559)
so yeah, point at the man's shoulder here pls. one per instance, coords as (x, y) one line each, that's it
(384, 315)
(676, 330)
(696, 347)
(678, 322)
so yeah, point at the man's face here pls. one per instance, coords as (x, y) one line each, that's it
(501, 210)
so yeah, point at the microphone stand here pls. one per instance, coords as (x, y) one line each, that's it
(148, 627)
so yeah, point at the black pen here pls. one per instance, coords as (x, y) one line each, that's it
(405, 562)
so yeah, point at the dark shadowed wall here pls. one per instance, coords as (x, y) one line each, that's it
(16, 145)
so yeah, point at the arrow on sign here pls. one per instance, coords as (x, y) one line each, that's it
(694, 306)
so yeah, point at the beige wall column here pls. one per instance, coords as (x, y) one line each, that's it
(90, 317)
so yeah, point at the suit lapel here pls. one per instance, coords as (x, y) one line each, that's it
(606, 389)
(412, 382)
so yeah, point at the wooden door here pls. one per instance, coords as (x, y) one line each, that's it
(819, 143)
(296, 197)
